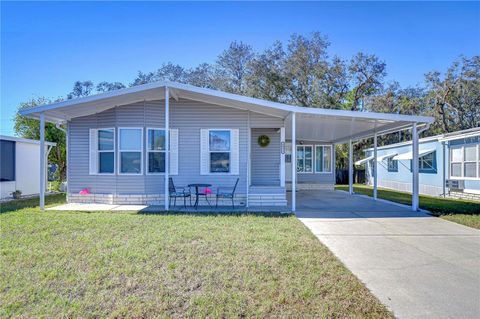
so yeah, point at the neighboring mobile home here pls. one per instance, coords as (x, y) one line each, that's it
(121, 142)
(449, 164)
(20, 165)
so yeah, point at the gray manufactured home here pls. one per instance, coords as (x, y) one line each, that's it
(120, 143)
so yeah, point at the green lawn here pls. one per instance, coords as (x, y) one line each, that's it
(455, 210)
(118, 265)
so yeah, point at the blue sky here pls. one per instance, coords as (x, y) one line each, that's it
(45, 47)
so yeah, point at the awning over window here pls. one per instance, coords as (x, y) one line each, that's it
(385, 156)
(362, 161)
(379, 158)
(409, 155)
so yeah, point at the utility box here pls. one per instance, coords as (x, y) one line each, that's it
(455, 185)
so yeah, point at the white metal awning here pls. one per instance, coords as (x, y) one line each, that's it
(385, 156)
(313, 124)
(362, 161)
(379, 158)
(409, 155)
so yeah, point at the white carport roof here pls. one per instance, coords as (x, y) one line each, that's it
(315, 124)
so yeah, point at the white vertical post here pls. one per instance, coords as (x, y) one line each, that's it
(294, 163)
(415, 182)
(350, 167)
(167, 146)
(444, 163)
(282, 156)
(334, 165)
(375, 168)
(249, 154)
(42, 161)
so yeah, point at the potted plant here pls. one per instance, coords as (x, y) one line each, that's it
(17, 194)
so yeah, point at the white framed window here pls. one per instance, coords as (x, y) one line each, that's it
(470, 162)
(323, 158)
(102, 151)
(392, 165)
(130, 149)
(304, 158)
(219, 151)
(156, 151)
(465, 161)
(219, 148)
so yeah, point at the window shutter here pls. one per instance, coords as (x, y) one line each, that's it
(204, 160)
(173, 152)
(93, 155)
(235, 152)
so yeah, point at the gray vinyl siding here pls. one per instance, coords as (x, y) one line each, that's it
(265, 162)
(264, 121)
(185, 115)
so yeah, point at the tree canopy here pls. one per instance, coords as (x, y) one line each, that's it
(302, 72)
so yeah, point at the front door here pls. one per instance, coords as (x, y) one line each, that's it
(265, 157)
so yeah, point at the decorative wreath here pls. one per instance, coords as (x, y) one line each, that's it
(263, 140)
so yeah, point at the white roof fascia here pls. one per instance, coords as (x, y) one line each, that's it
(24, 140)
(420, 141)
(409, 155)
(441, 138)
(460, 136)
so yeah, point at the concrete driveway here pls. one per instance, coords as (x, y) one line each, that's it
(419, 266)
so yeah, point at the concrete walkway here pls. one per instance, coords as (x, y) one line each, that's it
(419, 266)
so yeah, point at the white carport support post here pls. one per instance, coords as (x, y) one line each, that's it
(350, 167)
(294, 163)
(375, 168)
(42, 161)
(415, 182)
(167, 146)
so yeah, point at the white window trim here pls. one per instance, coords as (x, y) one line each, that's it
(315, 159)
(230, 152)
(462, 162)
(103, 151)
(119, 166)
(149, 151)
(422, 161)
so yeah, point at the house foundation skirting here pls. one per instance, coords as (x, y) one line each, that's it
(407, 187)
(148, 199)
(310, 186)
(256, 200)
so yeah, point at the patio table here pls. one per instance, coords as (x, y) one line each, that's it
(197, 193)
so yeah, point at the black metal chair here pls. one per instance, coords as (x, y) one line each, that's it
(227, 192)
(175, 192)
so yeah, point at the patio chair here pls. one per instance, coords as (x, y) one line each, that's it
(227, 192)
(175, 192)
